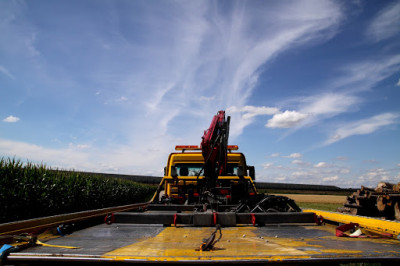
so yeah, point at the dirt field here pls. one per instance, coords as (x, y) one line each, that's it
(316, 198)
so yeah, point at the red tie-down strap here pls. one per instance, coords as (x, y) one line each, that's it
(340, 230)
(175, 218)
(214, 218)
(109, 219)
(318, 219)
(253, 219)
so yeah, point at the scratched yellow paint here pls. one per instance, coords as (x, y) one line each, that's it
(181, 243)
(342, 251)
(375, 240)
(237, 243)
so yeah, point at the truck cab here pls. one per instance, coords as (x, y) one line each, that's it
(183, 178)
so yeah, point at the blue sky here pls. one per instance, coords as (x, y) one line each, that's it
(313, 87)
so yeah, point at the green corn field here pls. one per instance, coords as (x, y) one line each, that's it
(30, 190)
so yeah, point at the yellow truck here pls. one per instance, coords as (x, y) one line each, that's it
(181, 182)
(215, 177)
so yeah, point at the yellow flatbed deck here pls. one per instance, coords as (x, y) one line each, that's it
(283, 243)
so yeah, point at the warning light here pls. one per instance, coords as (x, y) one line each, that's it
(196, 147)
(233, 147)
(186, 147)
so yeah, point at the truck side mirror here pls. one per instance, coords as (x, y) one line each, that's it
(173, 171)
(252, 172)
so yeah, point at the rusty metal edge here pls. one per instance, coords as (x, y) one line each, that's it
(51, 221)
(66, 258)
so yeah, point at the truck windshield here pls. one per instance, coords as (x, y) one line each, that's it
(193, 169)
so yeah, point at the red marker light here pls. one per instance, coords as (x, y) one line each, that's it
(233, 147)
(196, 147)
(224, 191)
(186, 147)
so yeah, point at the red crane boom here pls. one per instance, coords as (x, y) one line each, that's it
(214, 148)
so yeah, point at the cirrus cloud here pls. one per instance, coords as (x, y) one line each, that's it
(386, 24)
(328, 104)
(362, 127)
(6, 72)
(252, 111)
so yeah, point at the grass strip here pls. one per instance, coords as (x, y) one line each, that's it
(320, 206)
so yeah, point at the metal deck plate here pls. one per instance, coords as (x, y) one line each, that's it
(272, 243)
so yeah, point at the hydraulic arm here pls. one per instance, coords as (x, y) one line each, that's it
(214, 149)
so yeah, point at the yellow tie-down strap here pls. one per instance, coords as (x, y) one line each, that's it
(369, 223)
(38, 242)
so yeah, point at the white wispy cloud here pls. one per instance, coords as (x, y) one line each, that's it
(328, 105)
(363, 75)
(166, 69)
(330, 178)
(303, 171)
(122, 99)
(293, 155)
(314, 108)
(245, 115)
(6, 72)
(356, 78)
(78, 146)
(267, 165)
(386, 24)
(373, 176)
(188, 60)
(362, 127)
(68, 156)
(300, 162)
(319, 107)
(311, 109)
(84, 157)
(344, 171)
(205, 98)
(296, 24)
(18, 30)
(252, 111)
(11, 119)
